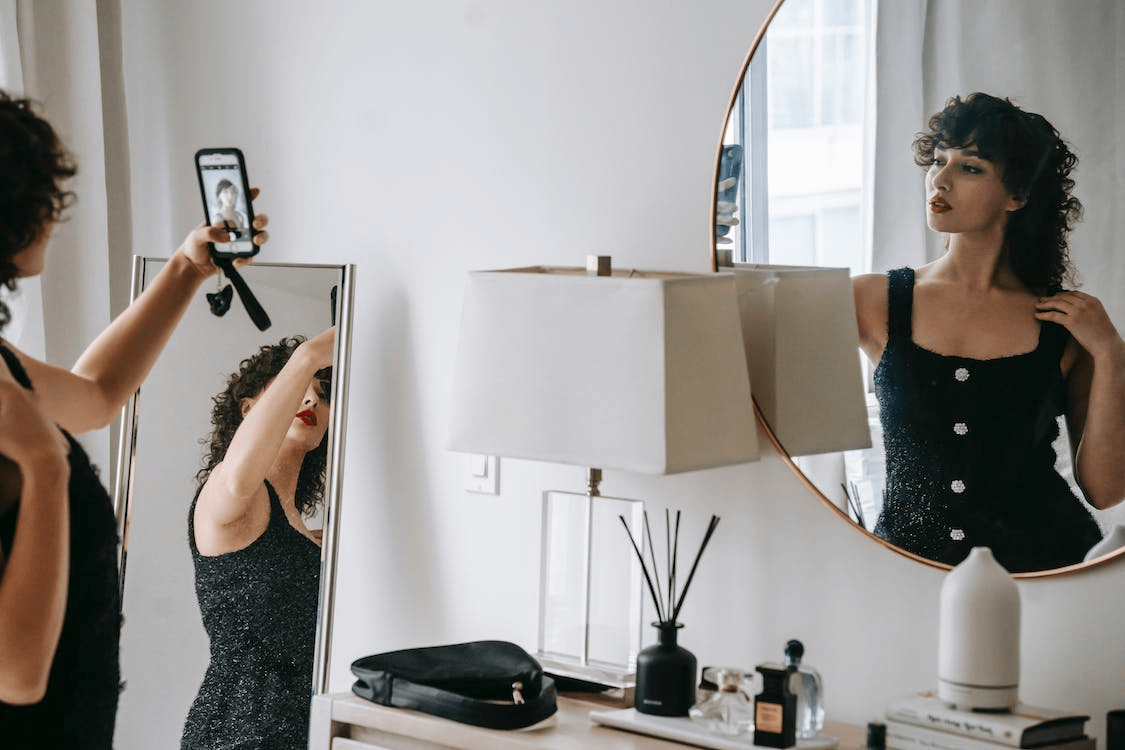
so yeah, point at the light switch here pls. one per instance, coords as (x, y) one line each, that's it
(483, 474)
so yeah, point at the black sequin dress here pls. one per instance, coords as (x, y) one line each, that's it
(80, 706)
(969, 450)
(259, 609)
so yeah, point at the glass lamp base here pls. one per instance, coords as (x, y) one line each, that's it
(597, 677)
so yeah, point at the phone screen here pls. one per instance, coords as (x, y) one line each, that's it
(223, 183)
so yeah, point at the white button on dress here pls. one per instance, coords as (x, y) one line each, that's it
(957, 486)
(962, 374)
(961, 428)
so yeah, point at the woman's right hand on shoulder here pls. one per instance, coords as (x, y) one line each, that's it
(28, 436)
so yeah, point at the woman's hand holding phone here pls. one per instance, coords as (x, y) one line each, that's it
(196, 247)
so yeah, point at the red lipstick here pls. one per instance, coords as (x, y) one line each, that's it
(939, 206)
(307, 417)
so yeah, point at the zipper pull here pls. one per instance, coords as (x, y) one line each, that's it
(517, 696)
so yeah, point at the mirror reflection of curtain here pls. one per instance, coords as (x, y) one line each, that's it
(1061, 59)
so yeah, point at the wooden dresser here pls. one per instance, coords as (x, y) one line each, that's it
(343, 721)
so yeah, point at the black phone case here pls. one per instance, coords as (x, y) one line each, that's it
(730, 165)
(244, 187)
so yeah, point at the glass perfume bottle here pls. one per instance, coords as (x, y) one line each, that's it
(805, 684)
(728, 710)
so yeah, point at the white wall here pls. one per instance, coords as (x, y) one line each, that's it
(419, 140)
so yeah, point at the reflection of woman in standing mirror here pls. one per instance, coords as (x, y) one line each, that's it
(60, 617)
(226, 196)
(979, 352)
(257, 565)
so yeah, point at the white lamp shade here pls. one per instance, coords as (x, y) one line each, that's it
(802, 350)
(639, 371)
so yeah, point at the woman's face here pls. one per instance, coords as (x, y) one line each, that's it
(30, 260)
(310, 423)
(227, 197)
(965, 193)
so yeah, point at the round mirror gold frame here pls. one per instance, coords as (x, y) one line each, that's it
(809, 484)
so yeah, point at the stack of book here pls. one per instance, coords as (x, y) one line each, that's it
(921, 721)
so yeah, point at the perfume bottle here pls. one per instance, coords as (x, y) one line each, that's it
(728, 710)
(775, 708)
(805, 684)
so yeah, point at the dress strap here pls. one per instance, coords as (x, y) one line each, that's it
(277, 513)
(900, 302)
(15, 366)
(1054, 337)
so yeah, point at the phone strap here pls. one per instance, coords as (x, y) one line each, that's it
(253, 308)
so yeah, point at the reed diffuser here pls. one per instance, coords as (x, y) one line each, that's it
(666, 671)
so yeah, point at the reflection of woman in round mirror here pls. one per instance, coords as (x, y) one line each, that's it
(226, 194)
(60, 617)
(979, 352)
(257, 565)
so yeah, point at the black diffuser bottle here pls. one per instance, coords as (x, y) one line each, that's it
(666, 674)
(666, 671)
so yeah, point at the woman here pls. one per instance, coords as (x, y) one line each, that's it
(226, 196)
(979, 352)
(257, 565)
(59, 606)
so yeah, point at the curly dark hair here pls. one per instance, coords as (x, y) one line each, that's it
(252, 377)
(1035, 165)
(33, 165)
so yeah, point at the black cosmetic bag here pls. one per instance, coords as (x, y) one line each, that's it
(492, 684)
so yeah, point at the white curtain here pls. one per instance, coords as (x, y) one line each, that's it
(1060, 58)
(66, 55)
(26, 303)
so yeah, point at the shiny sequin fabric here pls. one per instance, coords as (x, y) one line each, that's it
(968, 449)
(259, 609)
(80, 706)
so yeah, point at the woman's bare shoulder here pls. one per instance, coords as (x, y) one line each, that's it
(870, 289)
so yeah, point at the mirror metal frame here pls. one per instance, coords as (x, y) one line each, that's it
(125, 464)
(758, 412)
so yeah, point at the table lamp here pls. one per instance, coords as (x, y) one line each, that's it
(640, 371)
(802, 353)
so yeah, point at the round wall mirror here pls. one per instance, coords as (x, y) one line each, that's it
(818, 138)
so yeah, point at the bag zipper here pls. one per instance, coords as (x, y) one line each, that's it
(517, 696)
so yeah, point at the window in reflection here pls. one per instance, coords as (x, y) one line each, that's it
(800, 118)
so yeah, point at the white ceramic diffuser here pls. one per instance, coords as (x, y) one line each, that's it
(979, 635)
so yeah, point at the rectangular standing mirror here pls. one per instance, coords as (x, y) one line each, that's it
(163, 439)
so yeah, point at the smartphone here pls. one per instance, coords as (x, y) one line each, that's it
(226, 197)
(730, 166)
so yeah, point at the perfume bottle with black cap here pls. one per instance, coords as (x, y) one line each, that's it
(806, 685)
